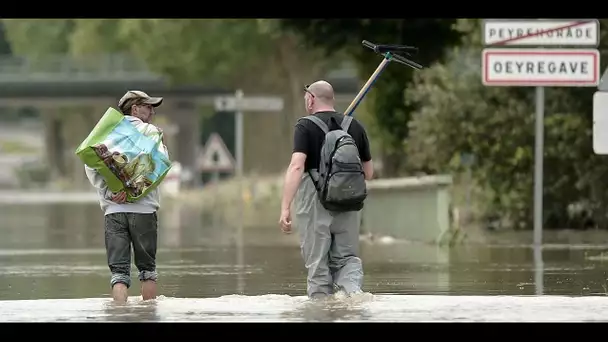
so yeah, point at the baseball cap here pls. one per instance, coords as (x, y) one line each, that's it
(141, 96)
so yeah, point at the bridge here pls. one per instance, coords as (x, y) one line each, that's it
(54, 83)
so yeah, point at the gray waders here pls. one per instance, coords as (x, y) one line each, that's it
(329, 243)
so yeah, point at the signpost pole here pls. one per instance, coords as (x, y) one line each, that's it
(538, 165)
(215, 183)
(239, 135)
(543, 68)
(239, 104)
(240, 205)
(539, 270)
(539, 138)
(215, 158)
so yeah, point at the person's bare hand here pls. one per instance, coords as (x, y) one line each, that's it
(162, 139)
(120, 197)
(285, 221)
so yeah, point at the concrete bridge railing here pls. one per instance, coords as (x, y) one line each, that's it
(59, 67)
(413, 208)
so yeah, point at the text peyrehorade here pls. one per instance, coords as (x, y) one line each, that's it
(572, 32)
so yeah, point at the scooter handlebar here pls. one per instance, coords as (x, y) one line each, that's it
(382, 49)
(396, 48)
(369, 45)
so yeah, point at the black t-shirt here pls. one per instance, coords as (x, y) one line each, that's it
(308, 138)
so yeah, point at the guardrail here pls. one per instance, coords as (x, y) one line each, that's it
(412, 208)
(64, 67)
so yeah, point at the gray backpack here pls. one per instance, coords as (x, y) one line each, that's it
(339, 180)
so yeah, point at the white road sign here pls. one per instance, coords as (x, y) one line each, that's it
(253, 103)
(540, 32)
(600, 123)
(603, 86)
(541, 67)
(215, 155)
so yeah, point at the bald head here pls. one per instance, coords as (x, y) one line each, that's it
(319, 97)
(323, 91)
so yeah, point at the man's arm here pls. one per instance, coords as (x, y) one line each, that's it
(292, 179)
(164, 150)
(97, 181)
(368, 169)
(365, 154)
(293, 176)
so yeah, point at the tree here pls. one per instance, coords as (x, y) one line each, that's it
(251, 54)
(212, 51)
(390, 111)
(5, 47)
(496, 124)
(38, 37)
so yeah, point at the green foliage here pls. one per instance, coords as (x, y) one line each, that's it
(460, 115)
(195, 49)
(210, 51)
(251, 54)
(433, 116)
(98, 36)
(5, 46)
(185, 50)
(38, 37)
(496, 124)
(390, 111)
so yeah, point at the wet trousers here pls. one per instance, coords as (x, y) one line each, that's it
(329, 244)
(124, 230)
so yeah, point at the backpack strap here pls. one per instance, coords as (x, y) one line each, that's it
(322, 125)
(314, 175)
(346, 122)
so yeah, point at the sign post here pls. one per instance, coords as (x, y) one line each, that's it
(539, 148)
(239, 104)
(541, 32)
(215, 157)
(467, 160)
(540, 67)
(239, 136)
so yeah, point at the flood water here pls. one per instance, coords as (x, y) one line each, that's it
(53, 268)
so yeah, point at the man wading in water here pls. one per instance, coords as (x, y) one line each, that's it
(329, 239)
(130, 223)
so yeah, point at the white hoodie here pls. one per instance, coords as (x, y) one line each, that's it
(146, 205)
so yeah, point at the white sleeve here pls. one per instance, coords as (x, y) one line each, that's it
(97, 181)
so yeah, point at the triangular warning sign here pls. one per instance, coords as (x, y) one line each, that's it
(215, 155)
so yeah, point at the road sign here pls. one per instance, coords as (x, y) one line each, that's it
(603, 86)
(541, 67)
(539, 32)
(600, 123)
(252, 103)
(215, 155)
